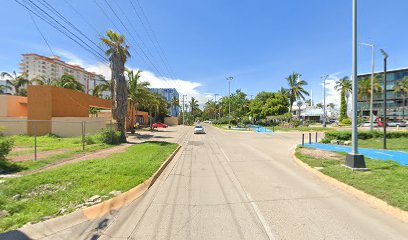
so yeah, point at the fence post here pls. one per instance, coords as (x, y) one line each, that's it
(310, 138)
(83, 135)
(303, 139)
(35, 140)
(316, 137)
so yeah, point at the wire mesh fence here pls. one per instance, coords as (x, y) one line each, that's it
(59, 137)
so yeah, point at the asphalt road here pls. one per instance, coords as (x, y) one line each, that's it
(234, 185)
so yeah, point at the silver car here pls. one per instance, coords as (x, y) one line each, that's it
(396, 124)
(198, 129)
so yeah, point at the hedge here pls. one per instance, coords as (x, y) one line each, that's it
(346, 135)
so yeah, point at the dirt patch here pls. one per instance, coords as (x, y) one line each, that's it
(21, 149)
(321, 154)
(40, 155)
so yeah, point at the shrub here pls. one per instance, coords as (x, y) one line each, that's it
(5, 147)
(346, 121)
(89, 140)
(346, 135)
(109, 136)
(296, 123)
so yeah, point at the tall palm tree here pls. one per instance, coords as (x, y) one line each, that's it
(402, 87)
(68, 81)
(343, 85)
(193, 105)
(175, 103)
(296, 88)
(133, 79)
(118, 53)
(16, 81)
(364, 88)
(41, 80)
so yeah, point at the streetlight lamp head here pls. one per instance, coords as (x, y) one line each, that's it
(384, 53)
(230, 78)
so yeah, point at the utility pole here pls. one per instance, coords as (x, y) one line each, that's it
(215, 110)
(354, 160)
(385, 97)
(229, 100)
(372, 82)
(324, 99)
(184, 122)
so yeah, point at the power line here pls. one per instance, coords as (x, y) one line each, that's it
(38, 29)
(83, 18)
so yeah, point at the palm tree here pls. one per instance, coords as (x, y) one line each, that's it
(68, 81)
(118, 52)
(364, 88)
(41, 80)
(133, 79)
(296, 88)
(193, 105)
(4, 88)
(104, 85)
(175, 103)
(343, 85)
(402, 87)
(16, 81)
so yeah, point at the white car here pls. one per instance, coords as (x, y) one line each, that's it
(198, 129)
(367, 124)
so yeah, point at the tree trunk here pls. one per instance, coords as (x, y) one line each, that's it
(119, 95)
(132, 127)
(136, 115)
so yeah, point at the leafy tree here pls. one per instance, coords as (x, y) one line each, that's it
(175, 103)
(104, 85)
(4, 88)
(194, 107)
(118, 53)
(269, 104)
(402, 87)
(319, 105)
(344, 86)
(210, 109)
(68, 81)
(296, 88)
(364, 88)
(133, 79)
(16, 81)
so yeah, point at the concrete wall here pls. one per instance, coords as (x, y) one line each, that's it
(13, 125)
(171, 121)
(72, 126)
(47, 102)
(13, 106)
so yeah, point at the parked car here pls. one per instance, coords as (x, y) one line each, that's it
(367, 124)
(396, 124)
(198, 129)
(159, 125)
(208, 121)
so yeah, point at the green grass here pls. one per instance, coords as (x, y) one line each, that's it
(400, 144)
(47, 142)
(386, 180)
(72, 184)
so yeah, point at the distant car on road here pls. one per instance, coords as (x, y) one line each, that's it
(396, 124)
(208, 121)
(159, 125)
(367, 124)
(198, 129)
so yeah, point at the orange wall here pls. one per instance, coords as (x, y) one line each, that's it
(46, 102)
(13, 106)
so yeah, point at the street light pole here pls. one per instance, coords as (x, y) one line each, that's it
(229, 100)
(184, 122)
(215, 101)
(324, 99)
(354, 160)
(385, 97)
(372, 82)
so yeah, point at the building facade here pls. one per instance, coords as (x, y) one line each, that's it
(53, 68)
(169, 94)
(395, 100)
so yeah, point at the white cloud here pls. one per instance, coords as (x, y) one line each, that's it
(332, 95)
(184, 87)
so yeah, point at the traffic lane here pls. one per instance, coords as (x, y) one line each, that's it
(296, 203)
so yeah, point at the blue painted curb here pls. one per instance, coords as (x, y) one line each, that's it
(398, 156)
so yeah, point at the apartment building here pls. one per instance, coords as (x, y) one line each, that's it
(53, 68)
(169, 94)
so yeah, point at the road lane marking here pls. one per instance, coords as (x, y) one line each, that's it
(225, 155)
(260, 217)
(384, 154)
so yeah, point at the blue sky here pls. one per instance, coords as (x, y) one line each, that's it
(257, 42)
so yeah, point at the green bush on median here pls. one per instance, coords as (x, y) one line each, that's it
(346, 135)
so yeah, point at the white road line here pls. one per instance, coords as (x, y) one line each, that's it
(385, 154)
(225, 155)
(260, 217)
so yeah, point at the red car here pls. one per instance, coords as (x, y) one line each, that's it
(159, 125)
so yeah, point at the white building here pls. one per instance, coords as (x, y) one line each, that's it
(53, 68)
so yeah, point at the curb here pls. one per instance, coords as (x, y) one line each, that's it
(49, 227)
(370, 199)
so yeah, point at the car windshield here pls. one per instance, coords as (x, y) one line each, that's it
(198, 127)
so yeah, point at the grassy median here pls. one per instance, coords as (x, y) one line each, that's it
(386, 180)
(32, 197)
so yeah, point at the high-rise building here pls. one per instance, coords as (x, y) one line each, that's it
(53, 68)
(169, 94)
(395, 100)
